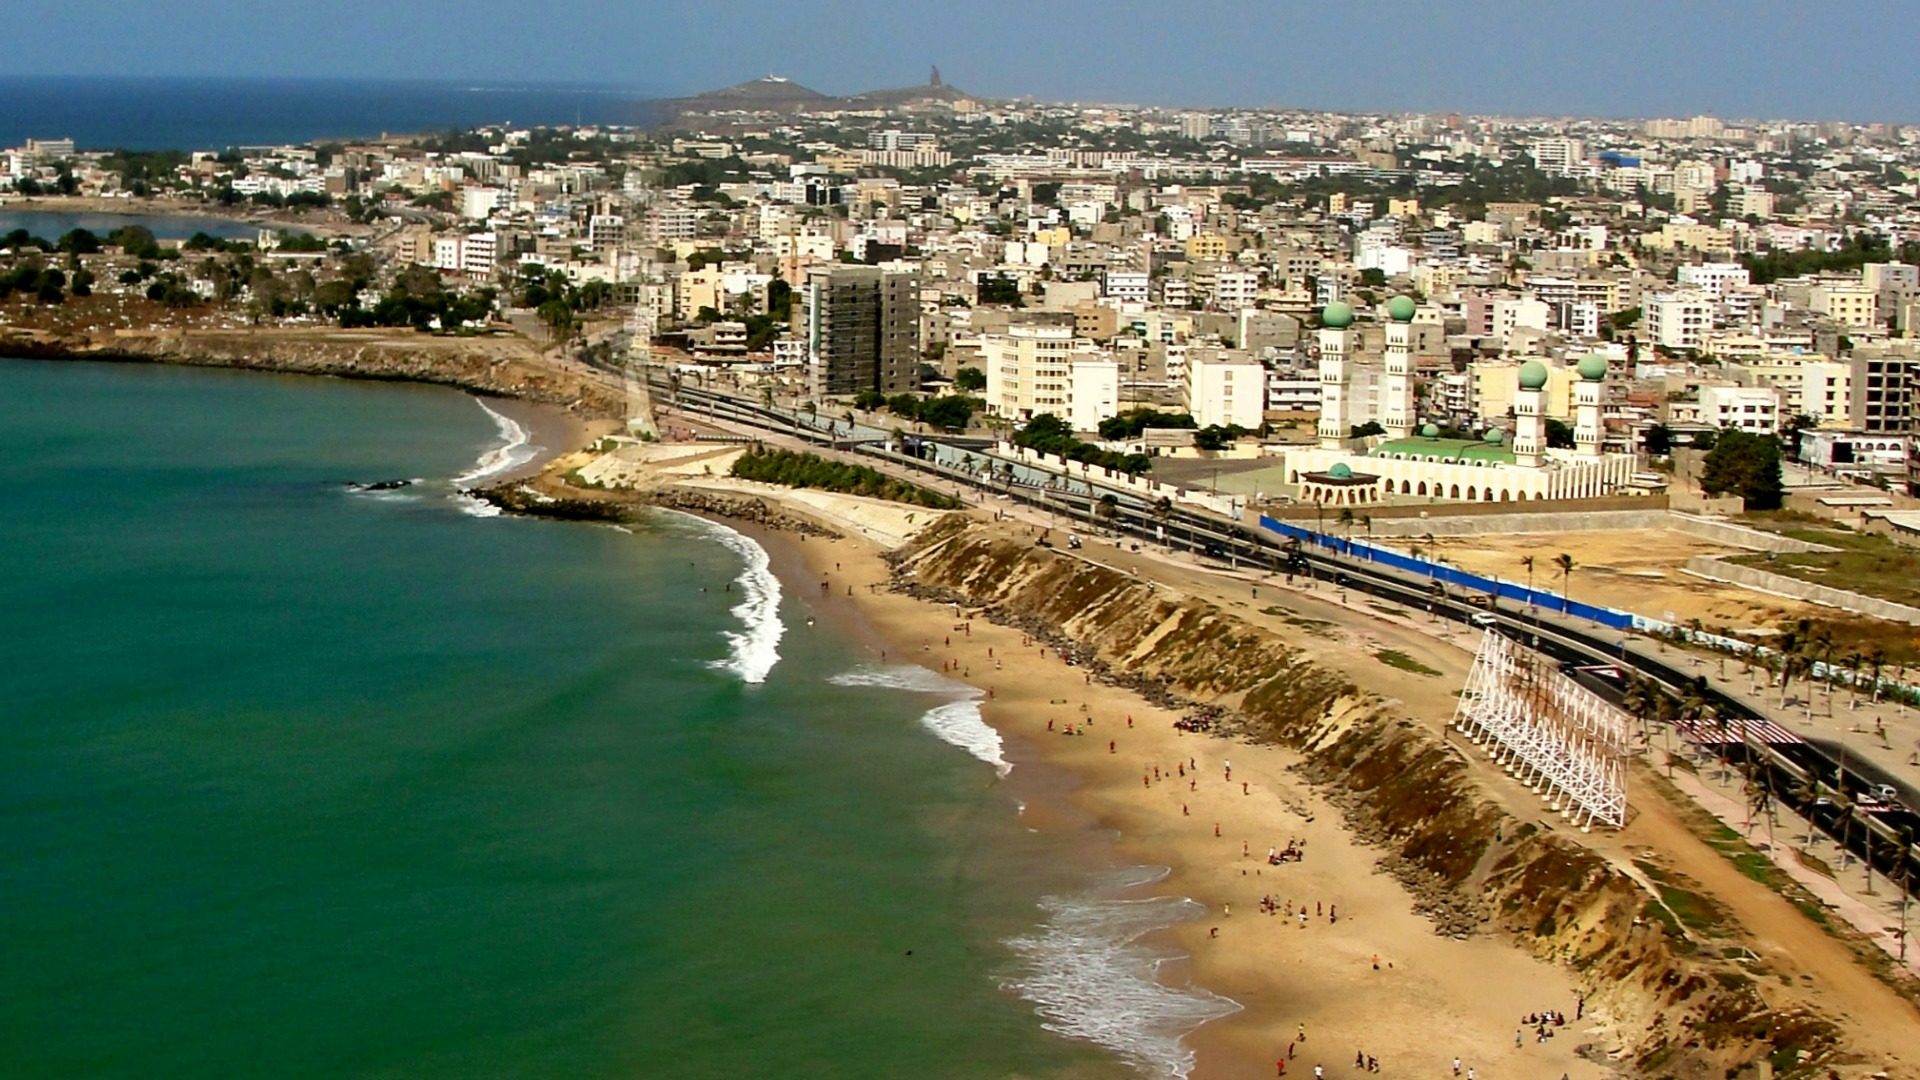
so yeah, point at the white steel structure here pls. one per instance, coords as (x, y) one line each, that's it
(1549, 732)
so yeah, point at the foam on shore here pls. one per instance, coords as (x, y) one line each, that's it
(755, 647)
(515, 449)
(958, 722)
(1089, 977)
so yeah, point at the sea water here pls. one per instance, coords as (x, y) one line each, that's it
(299, 778)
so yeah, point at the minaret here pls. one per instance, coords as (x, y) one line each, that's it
(1335, 337)
(1587, 430)
(1530, 415)
(1396, 390)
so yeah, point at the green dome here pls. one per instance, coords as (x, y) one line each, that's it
(1400, 309)
(1533, 375)
(1495, 436)
(1593, 367)
(1431, 431)
(1337, 315)
(1340, 471)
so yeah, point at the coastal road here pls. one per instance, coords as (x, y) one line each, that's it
(1837, 796)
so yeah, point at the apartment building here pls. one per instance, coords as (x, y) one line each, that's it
(1226, 387)
(1753, 409)
(1044, 369)
(862, 329)
(1677, 320)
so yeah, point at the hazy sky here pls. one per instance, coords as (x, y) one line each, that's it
(1849, 59)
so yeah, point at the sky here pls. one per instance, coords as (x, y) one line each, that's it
(1842, 59)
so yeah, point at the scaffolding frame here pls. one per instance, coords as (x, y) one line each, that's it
(1550, 733)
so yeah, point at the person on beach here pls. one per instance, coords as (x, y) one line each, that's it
(1456, 1061)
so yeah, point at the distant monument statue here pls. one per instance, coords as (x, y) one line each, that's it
(935, 81)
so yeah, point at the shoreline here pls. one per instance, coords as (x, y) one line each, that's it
(150, 207)
(1423, 1005)
(1048, 796)
(1152, 825)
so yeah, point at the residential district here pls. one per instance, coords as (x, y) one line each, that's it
(1343, 309)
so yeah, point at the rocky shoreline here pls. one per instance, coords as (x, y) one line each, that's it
(523, 499)
(490, 367)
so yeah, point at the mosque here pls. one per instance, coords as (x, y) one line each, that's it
(1409, 465)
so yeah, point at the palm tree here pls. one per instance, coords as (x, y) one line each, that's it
(1876, 664)
(1366, 521)
(1105, 508)
(1432, 559)
(1346, 525)
(1854, 662)
(1527, 561)
(1565, 562)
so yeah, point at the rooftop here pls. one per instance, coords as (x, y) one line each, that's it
(1445, 450)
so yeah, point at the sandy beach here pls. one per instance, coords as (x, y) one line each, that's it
(1363, 974)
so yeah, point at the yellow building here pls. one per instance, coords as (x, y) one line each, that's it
(1206, 247)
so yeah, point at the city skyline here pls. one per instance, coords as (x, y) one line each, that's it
(1502, 58)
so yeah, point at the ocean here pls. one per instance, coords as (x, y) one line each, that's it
(302, 778)
(103, 113)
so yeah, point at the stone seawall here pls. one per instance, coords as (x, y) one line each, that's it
(1677, 1009)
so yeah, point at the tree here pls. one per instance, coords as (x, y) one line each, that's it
(1361, 431)
(970, 378)
(1001, 289)
(559, 318)
(1565, 562)
(1746, 465)
(1559, 433)
(1659, 440)
(1527, 561)
(1790, 434)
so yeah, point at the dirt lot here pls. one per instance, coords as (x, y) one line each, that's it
(1636, 569)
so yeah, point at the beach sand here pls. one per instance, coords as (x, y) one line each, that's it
(1430, 999)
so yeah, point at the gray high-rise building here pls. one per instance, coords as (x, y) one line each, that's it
(862, 329)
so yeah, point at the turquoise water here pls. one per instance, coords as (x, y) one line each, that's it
(298, 781)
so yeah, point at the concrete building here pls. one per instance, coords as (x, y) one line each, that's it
(1226, 388)
(1678, 320)
(1753, 409)
(1044, 369)
(862, 329)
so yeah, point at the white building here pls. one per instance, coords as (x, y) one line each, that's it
(1678, 320)
(1713, 278)
(1127, 285)
(1753, 409)
(1043, 369)
(1226, 389)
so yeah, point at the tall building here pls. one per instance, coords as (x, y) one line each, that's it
(862, 329)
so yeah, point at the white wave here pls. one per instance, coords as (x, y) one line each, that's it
(957, 723)
(1089, 978)
(474, 506)
(515, 449)
(755, 648)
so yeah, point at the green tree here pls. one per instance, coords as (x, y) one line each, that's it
(970, 378)
(1746, 465)
(1659, 440)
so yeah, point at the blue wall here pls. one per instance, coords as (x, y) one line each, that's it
(1453, 576)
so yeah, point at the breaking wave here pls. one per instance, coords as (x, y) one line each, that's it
(957, 722)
